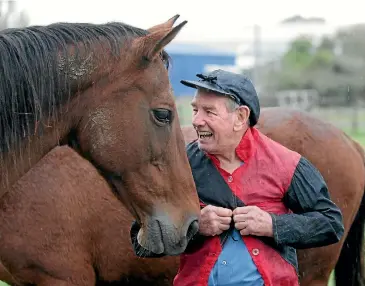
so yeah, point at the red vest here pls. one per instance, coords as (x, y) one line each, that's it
(262, 181)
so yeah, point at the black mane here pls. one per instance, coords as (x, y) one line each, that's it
(32, 83)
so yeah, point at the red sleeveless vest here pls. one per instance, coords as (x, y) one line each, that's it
(262, 181)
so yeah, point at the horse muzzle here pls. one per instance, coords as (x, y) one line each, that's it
(161, 236)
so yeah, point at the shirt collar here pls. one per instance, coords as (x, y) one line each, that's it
(245, 148)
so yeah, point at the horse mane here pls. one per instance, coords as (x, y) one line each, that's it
(38, 71)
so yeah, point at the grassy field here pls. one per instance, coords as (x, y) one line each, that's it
(331, 282)
(359, 137)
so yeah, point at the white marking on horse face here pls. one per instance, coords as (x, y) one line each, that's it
(99, 126)
(77, 68)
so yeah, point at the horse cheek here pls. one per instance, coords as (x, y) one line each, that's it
(97, 139)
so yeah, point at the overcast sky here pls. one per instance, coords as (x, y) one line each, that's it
(217, 19)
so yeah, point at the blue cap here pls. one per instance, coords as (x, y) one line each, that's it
(237, 86)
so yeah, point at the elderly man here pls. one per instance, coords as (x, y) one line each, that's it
(260, 201)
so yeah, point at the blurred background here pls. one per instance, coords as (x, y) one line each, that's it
(308, 55)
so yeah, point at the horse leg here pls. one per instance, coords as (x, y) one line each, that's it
(6, 276)
(316, 264)
(348, 270)
(63, 263)
(56, 282)
(42, 277)
(49, 281)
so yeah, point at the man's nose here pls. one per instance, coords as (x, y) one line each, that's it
(198, 120)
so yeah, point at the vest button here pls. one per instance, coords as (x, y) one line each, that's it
(255, 251)
(224, 262)
(230, 179)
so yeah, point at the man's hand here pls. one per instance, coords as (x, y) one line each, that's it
(214, 220)
(251, 220)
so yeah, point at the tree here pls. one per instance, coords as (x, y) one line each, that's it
(351, 41)
(322, 67)
(299, 55)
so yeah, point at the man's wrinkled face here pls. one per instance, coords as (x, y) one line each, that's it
(213, 121)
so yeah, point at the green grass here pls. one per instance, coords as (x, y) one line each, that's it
(331, 281)
(359, 137)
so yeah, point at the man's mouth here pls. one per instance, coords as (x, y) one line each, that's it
(204, 134)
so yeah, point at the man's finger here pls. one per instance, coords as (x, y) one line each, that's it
(243, 210)
(245, 231)
(225, 220)
(223, 212)
(223, 226)
(241, 225)
(241, 217)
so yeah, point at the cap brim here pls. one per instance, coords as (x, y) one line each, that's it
(205, 85)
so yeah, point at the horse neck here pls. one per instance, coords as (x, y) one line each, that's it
(15, 163)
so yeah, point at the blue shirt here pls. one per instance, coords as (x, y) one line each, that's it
(235, 266)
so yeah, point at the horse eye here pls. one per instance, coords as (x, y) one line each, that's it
(162, 115)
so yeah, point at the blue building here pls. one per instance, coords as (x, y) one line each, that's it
(190, 59)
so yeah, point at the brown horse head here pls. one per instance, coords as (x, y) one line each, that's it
(105, 88)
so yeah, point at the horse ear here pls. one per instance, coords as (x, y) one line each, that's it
(151, 45)
(167, 25)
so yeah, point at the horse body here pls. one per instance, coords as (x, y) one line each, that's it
(61, 224)
(105, 90)
(340, 161)
(89, 227)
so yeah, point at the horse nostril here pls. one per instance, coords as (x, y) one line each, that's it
(193, 229)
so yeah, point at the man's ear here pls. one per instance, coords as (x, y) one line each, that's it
(242, 118)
